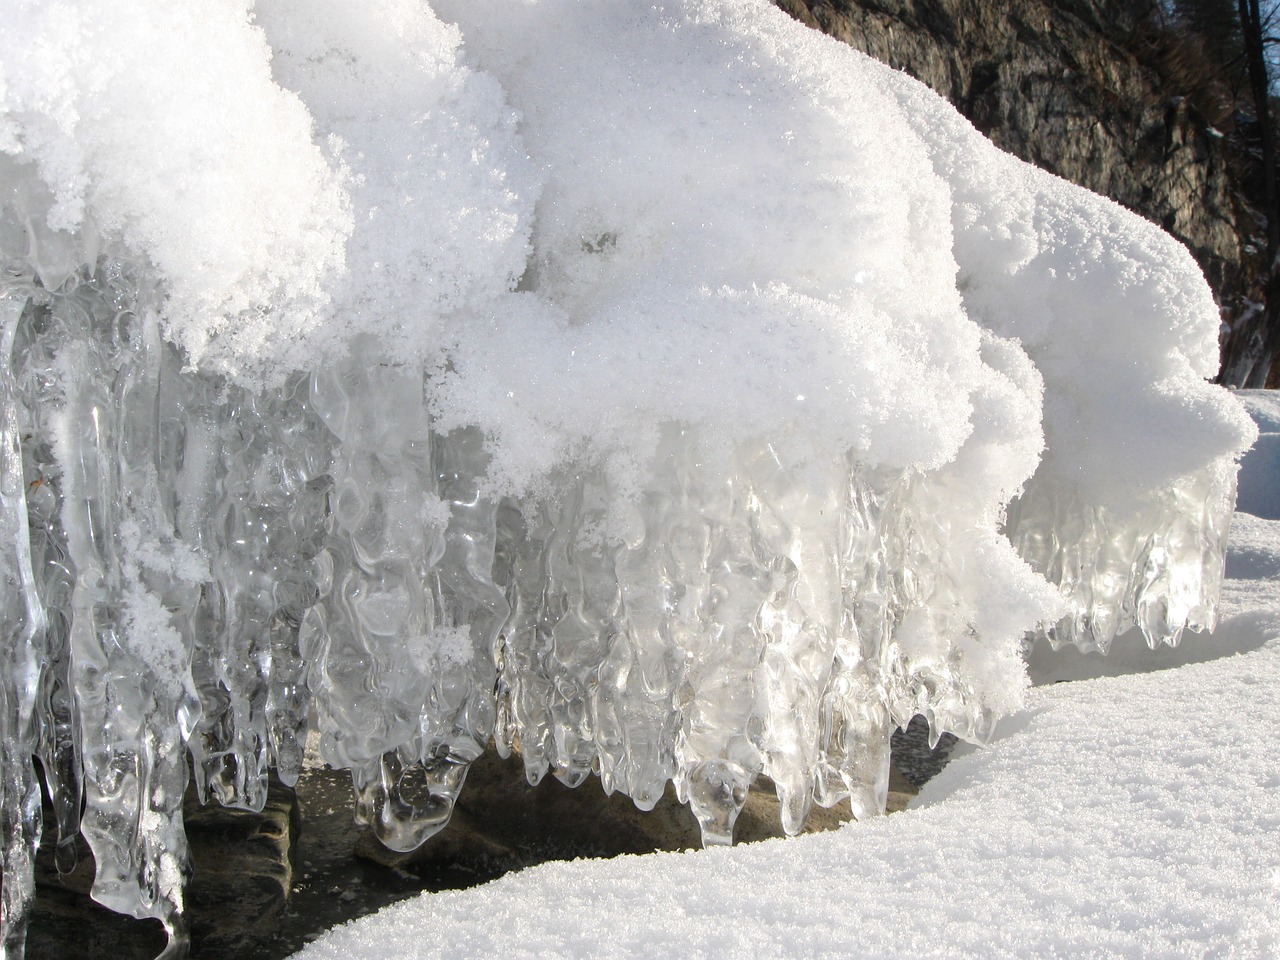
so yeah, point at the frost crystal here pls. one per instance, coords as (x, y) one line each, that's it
(695, 410)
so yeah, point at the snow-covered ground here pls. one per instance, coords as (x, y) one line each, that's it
(1134, 815)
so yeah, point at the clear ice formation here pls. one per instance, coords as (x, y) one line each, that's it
(729, 404)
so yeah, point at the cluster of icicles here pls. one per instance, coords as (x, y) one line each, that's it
(194, 577)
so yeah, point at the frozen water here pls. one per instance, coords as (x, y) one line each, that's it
(670, 394)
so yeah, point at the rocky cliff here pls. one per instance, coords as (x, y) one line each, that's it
(1085, 89)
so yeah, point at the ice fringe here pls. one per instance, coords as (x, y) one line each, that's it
(721, 490)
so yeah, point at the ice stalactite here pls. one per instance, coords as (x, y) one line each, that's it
(685, 650)
(136, 591)
(1155, 564)
(745, 624)
(23, 648)
(564, 603)
(854, 715)
(253, 498)
(399, 651)
(38, 345)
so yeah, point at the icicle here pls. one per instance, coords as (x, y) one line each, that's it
(564, 620)
(22, 654)
(855, 719)
(795, 531)
(135, 592)
(524, 687)
(1155, 564)
(459, 718)
(253, 484)
(402, 652)
(701, 648)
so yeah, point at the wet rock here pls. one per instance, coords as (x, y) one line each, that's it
(915, 757)
(242, 868)
(265, 884)
(501, 823)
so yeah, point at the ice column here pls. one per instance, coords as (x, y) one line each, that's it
(137, 586)
(399, 652)
(23, 654)
(253, 496)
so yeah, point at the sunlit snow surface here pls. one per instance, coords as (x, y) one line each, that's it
(1127, 816)
(664, 392)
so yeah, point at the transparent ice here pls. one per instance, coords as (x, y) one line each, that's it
(563, 432)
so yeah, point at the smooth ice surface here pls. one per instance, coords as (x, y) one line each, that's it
(664, 392)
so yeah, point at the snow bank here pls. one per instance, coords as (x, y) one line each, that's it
(1258, 491)
(763, 213)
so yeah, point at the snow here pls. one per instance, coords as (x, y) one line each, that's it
(440, 184)
(710, 260)
(1257, 483)
(1121, 816)
(665, 389)
(159, 132)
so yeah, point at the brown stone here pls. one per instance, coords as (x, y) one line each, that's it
(501, 823)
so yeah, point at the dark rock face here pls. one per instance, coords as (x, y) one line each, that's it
(1074, 87)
